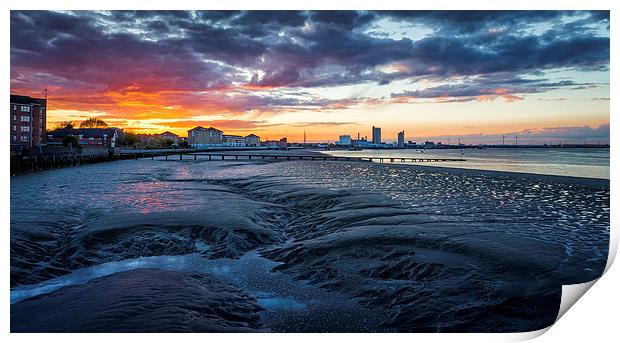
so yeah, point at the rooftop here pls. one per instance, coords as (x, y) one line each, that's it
(95, 133)
(26, 100)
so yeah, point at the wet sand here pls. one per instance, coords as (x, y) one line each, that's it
(300, 246)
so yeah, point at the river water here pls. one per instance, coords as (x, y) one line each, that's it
(315, 246)
(589, 162)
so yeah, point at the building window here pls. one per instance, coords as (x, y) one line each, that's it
(14, 127)
(14, 117)
(14, 107)
(14, 138)
(25, 129)
(25, 108)
(25, 139)
(26, 118)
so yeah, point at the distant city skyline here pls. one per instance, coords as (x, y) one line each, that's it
(475, 75)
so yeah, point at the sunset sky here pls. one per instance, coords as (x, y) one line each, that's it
(476, 75)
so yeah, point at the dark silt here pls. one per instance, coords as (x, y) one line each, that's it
(298, 246)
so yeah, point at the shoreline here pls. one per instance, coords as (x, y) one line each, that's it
(393, 238)
(485, 172)
(590, 181)
(467, 171)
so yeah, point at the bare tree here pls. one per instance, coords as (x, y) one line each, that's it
(64, 125)
(93, 123)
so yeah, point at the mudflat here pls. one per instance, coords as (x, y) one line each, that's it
(298, 246)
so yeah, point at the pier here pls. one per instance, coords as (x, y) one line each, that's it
(26, 164)
(39, 162)
(234, 156)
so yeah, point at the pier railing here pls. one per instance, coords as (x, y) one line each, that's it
(26, 164)
(229, 156)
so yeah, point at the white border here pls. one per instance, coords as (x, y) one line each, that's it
(593, 318)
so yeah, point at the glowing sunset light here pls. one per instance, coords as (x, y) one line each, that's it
(278, 73)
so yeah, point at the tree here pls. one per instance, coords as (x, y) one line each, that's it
(93, 123)
(64, 125)
(183, 144)
(129, 139)
(161, 142)
(70, 140)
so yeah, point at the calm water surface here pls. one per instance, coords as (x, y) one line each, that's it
(592, 163)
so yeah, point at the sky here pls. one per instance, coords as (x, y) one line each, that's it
(441, 75)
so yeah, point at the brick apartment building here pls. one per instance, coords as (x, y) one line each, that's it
(169, 135)
(234, 140)
(200, 136)
(28, 121)
(252, 140)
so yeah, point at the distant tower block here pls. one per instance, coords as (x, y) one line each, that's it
(376, 135)
(401, 139)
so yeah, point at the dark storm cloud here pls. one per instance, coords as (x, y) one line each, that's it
(583, 132)
(447, 56)
(494, 85)
(282, 18)
(553, 135)
(347, 19)
(72, 48)
(471, 22)
(213, 50)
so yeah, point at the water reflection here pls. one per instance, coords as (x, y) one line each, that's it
(593, 163)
